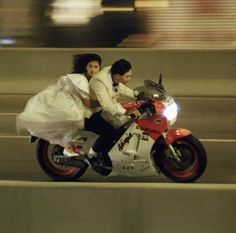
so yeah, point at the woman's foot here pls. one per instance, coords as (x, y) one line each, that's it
(73, 151)
(69, 152)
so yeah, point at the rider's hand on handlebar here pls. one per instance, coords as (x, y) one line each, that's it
(142, 97)
(134, 113)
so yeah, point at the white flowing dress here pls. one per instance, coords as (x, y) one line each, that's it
(57, 113)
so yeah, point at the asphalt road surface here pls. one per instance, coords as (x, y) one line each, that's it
(212, 120)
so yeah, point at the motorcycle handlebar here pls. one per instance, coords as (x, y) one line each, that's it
(132, 116)
(147, 107)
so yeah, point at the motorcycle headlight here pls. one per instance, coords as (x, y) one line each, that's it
(171, 112)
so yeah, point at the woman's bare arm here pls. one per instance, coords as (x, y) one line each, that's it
(89, 103)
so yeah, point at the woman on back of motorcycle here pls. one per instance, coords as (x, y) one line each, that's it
(57, 113)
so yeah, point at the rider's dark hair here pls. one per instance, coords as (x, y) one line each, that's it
(80, 61)
(120, 67)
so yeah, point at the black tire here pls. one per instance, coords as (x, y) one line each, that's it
(45, 157)
(193, 160)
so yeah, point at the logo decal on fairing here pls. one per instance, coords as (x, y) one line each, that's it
(125, 141)
(158, 121)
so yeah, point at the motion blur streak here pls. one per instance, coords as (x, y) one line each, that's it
(164, 24)
(117, 9)
(74, 12)
(188, 24)
(147, 4)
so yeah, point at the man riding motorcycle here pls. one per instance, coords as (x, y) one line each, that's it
(106, 87)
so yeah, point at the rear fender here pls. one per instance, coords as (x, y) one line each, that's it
(176, 133)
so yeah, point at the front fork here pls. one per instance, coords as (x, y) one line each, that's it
(173, 153)
(172, 135)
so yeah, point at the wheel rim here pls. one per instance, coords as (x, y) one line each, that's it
(189, 162)
(49, 151)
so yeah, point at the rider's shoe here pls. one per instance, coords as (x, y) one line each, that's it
(97, 163)
(94, 161)
(88, 162)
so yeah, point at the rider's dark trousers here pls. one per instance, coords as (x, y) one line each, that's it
(108, 134)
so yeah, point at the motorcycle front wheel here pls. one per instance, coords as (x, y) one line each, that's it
(47, 154)
(191, 163)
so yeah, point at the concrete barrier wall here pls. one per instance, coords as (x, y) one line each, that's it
(36, 207)
(186, 73)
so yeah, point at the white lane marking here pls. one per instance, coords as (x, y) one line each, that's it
(217, 140)
(14, 136)
(8, 114)
(205, 97)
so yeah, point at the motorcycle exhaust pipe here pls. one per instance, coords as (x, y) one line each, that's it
(70, 162)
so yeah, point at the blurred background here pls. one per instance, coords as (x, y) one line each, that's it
(167, 24)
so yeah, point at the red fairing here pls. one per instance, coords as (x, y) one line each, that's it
(154, 125)
(174, 134)
(131, 105)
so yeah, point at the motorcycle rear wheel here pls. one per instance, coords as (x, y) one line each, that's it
(192, 164)
(46, 153)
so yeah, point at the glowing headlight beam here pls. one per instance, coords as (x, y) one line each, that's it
(171, 111)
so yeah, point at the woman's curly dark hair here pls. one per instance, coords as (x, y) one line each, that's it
(80, 61)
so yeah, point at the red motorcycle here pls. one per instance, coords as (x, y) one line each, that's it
(147, 146)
